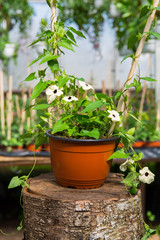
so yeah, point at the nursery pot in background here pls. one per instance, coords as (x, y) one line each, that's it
(81, 163)
(9, 49)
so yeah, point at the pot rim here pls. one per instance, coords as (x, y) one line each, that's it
(79, 140)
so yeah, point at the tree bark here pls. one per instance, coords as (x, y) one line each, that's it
(52, 212)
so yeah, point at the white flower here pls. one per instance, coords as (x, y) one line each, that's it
(123, 166)
(53, 91)
(114, 115)
(146, 176)
(70, 98)
(85, 86)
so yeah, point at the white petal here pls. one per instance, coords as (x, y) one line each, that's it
(146, 179)
(81, 83)
(70, 98)
(123, 167)
(65, 99)
(58, 93)
(49, 91)
(114, 115)
(85, 86)
(74, 98)
(144, 170)
(131, 161)
(52, 97)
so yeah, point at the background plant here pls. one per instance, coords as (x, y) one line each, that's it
(128, 22)
(12, 13)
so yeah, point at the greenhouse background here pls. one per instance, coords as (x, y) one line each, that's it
(101, 60)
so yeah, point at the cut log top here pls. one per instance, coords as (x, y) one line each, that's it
(45, 185)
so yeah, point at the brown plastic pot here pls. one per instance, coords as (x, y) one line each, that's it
(146, 144)
(32, 148)
(80, 163)
(138, 144)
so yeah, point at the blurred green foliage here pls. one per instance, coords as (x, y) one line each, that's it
(128, 18)
(12, 12)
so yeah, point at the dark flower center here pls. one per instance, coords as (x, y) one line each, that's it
(114, 116)
(146, 174)
(55, 91)
(86, 85)
(69, 98)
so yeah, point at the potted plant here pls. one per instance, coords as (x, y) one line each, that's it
(9, 50)
(83, 126)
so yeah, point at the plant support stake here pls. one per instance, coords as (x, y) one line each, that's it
(9, 105)
(137, 56)
(2, 103)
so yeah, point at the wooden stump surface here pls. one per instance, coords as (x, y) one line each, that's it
(52, 212)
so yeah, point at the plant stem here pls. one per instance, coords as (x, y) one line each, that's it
(135, 61)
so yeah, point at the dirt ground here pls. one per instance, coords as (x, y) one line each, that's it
(9, 227)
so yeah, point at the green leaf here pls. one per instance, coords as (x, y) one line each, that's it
(126, 14)
(48, 2)
(59, 126)
(67, 117)
(133, 190)
(37, 40)
(60, 7)
(71, 131)
(45, 119)
(71, 36)
(40, 140)
(134, 117)
(145, 237)
(38, 89)
(43, 22)
(93, 134)
(41, 73)
(144, 11)
(48, 57)
(31, 77)
(131, 41)
(42, 106)
(130, 85)
(79, 33)
(20, 225)
(129, 179)
(62, 81)
(157, 8)
(36, 60)
(47, 33)
(101, 96)
(149, 79)
(119, 154)
(131, 131)
(117, 95)
(80, 79)
(29, 107)
(150, 216)
(128, 56)
(92, 106)
(157, 35)
(66, 44)
(15, 182)
(28, 134)
(53, 65)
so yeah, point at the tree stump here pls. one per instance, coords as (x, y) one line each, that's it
(52, 212)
